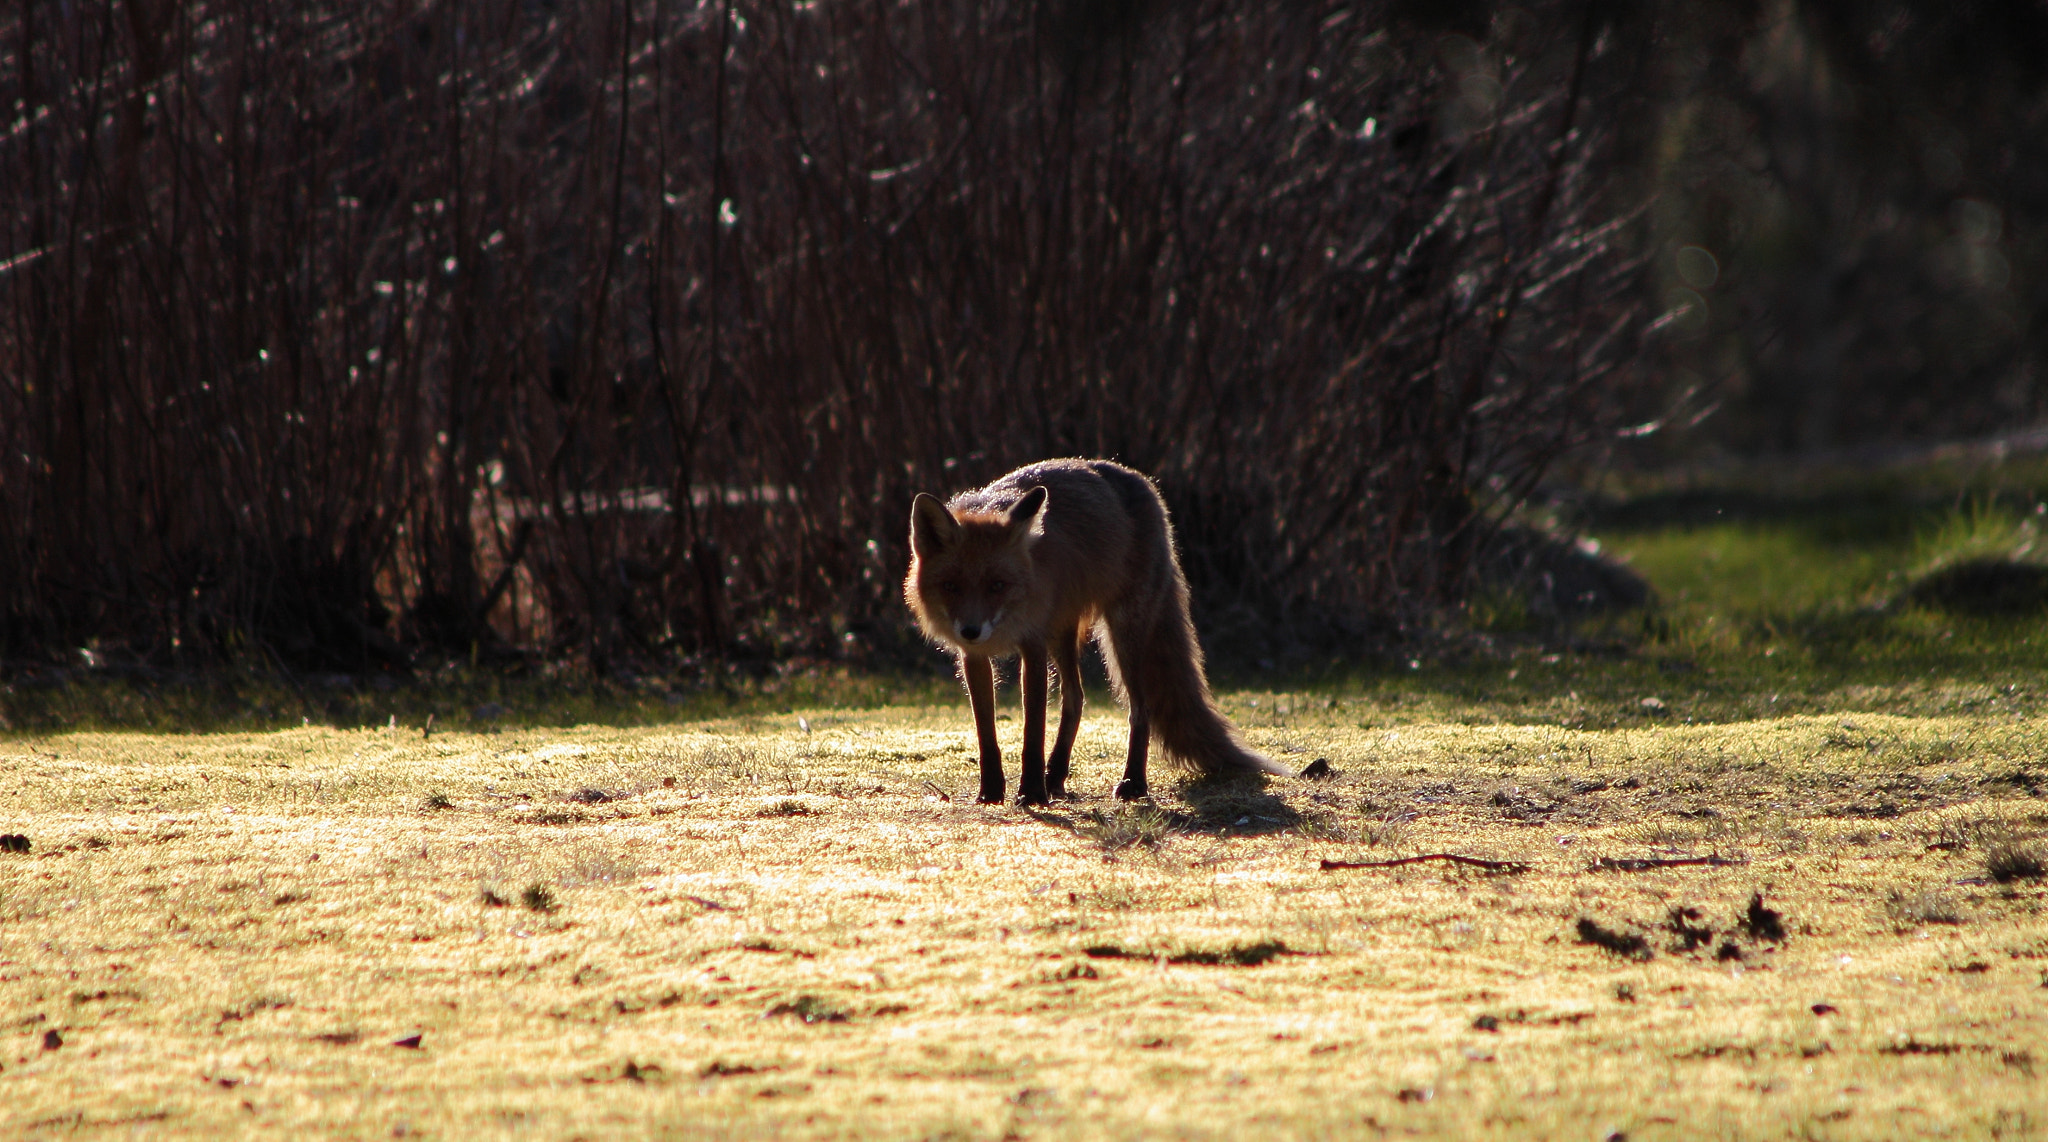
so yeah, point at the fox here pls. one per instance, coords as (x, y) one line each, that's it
(1034, 564)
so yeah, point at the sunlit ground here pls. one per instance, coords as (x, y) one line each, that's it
(754, 929)
(1766, 864)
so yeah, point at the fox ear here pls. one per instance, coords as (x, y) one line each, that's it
(1027, 516)
(932, 527)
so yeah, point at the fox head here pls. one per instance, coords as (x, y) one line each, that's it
(969, 572)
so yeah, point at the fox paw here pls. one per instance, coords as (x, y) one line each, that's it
(1027, 797)
(990, 796)
(1130, 790)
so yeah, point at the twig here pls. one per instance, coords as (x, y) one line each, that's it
(1643, 864)
(934, 790)
(1508, 866)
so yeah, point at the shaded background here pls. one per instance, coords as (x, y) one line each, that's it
(623, 333)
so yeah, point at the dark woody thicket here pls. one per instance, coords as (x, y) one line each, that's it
(334, 336)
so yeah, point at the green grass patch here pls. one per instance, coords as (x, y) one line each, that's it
(452, 699)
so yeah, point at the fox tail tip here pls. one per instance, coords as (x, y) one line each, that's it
(1247, 761)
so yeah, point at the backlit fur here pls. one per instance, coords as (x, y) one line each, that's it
(1035, 563)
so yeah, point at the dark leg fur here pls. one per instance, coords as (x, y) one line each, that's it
(1067, 659)
(981, 694)
(1031, 790)
(1132, 787)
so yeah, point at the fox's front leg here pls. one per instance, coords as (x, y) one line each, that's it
(981, 694)
(1031, 789)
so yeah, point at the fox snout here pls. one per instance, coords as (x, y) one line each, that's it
(971, 633)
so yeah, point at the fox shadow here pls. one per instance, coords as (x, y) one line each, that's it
(1235, 807)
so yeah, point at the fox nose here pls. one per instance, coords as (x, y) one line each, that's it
(973, 632)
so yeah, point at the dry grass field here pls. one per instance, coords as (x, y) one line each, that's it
(797, 926)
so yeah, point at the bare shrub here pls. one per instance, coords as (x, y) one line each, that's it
(333, 336)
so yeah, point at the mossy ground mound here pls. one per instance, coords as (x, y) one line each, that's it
(1985, 587)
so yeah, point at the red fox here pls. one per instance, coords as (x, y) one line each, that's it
(1035, 562)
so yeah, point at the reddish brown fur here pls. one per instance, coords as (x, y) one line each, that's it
(1030, 566)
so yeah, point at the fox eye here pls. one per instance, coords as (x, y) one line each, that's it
(998, 586)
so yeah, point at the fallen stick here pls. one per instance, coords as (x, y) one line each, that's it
(1454, 858)
(1643, 864)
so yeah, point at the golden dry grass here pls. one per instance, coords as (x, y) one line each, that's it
(798, 928)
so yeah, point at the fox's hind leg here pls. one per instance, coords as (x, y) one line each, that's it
(1113, 643)
(1066, 657)
(1132, 787)
(981, 694)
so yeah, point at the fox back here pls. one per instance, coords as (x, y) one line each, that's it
(1009, 563)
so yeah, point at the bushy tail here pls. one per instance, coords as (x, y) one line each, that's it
(1156, 665)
